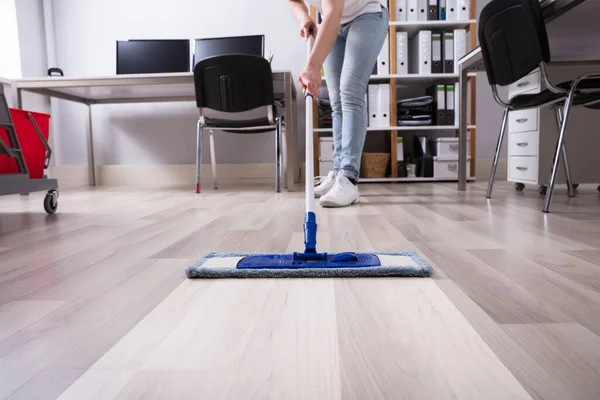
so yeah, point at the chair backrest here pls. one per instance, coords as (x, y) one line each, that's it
(513, 39)
(233, 83)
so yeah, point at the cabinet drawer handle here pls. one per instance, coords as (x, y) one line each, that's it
(522, 84)
(522, 144)
(453, 147)
(522, 120)
(522, 168)
(452, 167)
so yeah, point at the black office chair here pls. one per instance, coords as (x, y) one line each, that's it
(514, 42)
(233, 84)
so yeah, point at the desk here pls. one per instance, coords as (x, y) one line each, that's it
(177, 87)
(473, 62)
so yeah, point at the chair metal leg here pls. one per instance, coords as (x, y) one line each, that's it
(497, 154)
(278, 155)
(558, 151)
(213, 160)
(198, 155)
(571, 190)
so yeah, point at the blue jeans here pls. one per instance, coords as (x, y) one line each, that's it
(347, 70)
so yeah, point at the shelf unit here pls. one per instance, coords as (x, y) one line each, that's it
(414, 180)
(396, 80)
(400, 128)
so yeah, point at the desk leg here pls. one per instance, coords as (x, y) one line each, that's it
(462, 138)
(90, 148)
(289, 133)
(17, 97)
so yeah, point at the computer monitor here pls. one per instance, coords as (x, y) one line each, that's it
(253, 45)
(152, 56)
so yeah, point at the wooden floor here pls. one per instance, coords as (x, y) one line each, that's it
(94, 303)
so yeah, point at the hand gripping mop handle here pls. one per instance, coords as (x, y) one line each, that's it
(310, 220)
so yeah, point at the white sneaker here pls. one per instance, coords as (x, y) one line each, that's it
(323, 184)
(342, 194)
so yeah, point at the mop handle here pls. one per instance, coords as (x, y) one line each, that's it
(309, 160)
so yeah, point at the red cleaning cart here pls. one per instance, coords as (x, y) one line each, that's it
(25, 154)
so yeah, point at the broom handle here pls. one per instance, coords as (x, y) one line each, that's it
(309, 160)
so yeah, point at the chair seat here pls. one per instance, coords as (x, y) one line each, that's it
(584, 98)
(259, 125)
(591, 83)
(237, 124)
(535, 100)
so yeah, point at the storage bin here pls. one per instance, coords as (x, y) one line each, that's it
(325, 167)
(447, 168)
(34, 151)
(374, 165)
(326, 149)
(448, 147)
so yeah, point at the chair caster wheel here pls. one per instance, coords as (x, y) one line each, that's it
(543, 190)
(519, 186)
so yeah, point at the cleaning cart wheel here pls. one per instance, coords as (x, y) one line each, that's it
(543, 189)
(519, 186)
(51, 202)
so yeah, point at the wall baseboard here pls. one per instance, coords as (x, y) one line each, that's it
(75, 176)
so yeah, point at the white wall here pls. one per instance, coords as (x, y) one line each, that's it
(32, 44)
(10, 58)
(86, 32)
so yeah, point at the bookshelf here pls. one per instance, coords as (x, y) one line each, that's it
(404, 80)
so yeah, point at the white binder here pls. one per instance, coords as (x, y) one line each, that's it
(383, 60)
(402, 53)
(436, 53)
(373, 104)
(420, 50)
(452, 10)
(457, 105)
(423, 10)
(384, 105)
(463, 10)
(449, 52)
(412, 10)
(401, 10)
(441, 105)
(460, 45)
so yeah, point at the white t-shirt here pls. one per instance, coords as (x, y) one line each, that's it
(352, 8)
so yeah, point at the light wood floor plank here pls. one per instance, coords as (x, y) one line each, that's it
(94, 303)
(569, 352)
(560, 293)
(430, 350)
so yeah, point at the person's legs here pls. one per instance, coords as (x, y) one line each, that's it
(365, 37)
(333, 71)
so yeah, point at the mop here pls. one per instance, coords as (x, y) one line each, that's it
(310, 263)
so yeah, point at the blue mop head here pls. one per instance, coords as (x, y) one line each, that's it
(227, 265)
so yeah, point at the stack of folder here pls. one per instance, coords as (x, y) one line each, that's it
(430, 52)
(415, 111)
(378, 105)
(424, 10)
(444, 97)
